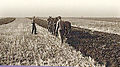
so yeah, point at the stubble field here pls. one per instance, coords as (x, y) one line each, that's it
(91, 39)
(98, 38)
(19, 47)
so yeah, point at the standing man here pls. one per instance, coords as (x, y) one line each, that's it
(33, 26)
(60, 28)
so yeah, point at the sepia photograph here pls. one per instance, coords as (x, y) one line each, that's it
(60, 33)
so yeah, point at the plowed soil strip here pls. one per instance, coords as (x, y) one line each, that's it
(6, 20)
(19, 47)
(103, 47)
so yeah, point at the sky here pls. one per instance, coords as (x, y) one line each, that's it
(66, 8)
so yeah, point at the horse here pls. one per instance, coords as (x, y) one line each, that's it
(67, 28)
(63, 28)
(50, 24)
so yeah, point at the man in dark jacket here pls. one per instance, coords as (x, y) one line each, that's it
(33, 26)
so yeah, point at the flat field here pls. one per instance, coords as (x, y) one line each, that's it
(98, 38)
(109, 25)
(90, 43)
(19, 47)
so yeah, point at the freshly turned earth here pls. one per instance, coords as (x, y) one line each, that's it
(6, 20)
(103, 47)
(19, 47)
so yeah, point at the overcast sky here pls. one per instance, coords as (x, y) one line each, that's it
(60, 7)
